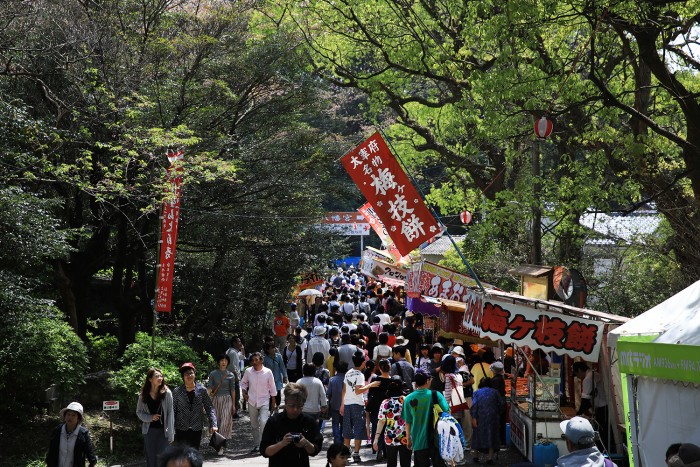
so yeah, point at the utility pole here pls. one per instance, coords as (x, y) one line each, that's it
(536, 254)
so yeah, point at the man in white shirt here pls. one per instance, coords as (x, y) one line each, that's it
(593, 398)
(352, 409)
(259, 390)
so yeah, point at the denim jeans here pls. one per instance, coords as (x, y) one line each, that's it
(337, 426)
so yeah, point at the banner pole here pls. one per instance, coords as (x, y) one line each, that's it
(413, 180)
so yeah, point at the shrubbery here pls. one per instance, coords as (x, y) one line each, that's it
(170, 353)
(102, 351)
(37, 353)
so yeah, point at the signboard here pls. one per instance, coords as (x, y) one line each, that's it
(110, 405)
(513, 323)
(374, 267)
(310, 280)
(676, 362)
(380, 178)
(346, 223)
(435, 281)
(518, 431)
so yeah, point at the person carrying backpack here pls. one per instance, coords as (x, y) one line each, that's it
(418, 412)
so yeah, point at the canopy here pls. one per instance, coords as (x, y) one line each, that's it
(659, 351)
(674, 321)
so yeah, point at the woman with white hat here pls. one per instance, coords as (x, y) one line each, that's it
(70, 442)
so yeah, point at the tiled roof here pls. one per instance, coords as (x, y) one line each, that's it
(615, 228)
(441, 245)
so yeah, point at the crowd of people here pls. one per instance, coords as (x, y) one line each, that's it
(354, 358)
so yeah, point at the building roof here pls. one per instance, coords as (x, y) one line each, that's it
(616, 228)
(441, 245)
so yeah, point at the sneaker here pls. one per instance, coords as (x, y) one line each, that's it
(356, 458)
(221, 452)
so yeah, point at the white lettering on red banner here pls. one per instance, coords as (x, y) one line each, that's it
(378, 175)
(169, 220)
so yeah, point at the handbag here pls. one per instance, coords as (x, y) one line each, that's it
(217, 441)
(457, 401)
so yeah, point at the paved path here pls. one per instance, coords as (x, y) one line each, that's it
(237, 453)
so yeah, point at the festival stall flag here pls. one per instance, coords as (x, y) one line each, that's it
(168, 231)
(378, 175)
(371, 216)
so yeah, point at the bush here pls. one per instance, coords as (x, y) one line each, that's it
(102, 350)
(35, 354)
(170, 353)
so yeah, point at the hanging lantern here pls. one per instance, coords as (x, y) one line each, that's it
(543, 127)
(465, 217)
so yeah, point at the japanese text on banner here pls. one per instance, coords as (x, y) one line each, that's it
(380, 178)
(168, 230)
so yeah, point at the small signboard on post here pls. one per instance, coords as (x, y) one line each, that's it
(110, 405)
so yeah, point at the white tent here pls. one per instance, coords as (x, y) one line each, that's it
(659, 354)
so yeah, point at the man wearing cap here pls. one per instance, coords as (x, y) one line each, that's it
(70, 442)
(318, 343)
(580, 441)
(417, 410)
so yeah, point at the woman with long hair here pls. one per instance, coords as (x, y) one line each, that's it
(155, 410)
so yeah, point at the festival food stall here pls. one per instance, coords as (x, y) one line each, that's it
(553, 327)
(659, 355)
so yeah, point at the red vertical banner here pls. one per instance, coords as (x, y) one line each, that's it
(378, 175)
(168, 233)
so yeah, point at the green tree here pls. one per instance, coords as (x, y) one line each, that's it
(464, 82)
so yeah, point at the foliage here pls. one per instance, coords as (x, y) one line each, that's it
(464, 82)
(169, 353)
(102, 350)
(37, 353)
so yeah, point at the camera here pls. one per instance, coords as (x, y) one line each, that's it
(296, 437)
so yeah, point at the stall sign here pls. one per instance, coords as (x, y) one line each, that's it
(440, 282)
(676, 362)
(310, 280)
(513, 323)
(518, 432)
(374, 267)
(413, 281)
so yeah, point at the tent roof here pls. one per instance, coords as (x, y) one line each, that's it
(675, 321)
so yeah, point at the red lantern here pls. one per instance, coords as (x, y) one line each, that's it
(543, 127)
(465, 217)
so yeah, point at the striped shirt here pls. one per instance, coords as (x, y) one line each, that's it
(190, 415)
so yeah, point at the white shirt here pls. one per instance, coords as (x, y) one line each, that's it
(588, 388)
(66, 446)
(352, 379)
(384, 319)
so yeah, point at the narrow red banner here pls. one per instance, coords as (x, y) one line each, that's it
(168, 232)
(378, 175)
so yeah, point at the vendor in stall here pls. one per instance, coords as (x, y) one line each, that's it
(593, 400)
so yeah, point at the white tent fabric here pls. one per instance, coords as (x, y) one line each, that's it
(668, 410)
(676, 320)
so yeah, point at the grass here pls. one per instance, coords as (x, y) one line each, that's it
(25, 443)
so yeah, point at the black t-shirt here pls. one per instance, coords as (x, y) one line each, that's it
(290, 456)
(154, 407)
(375, 396)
